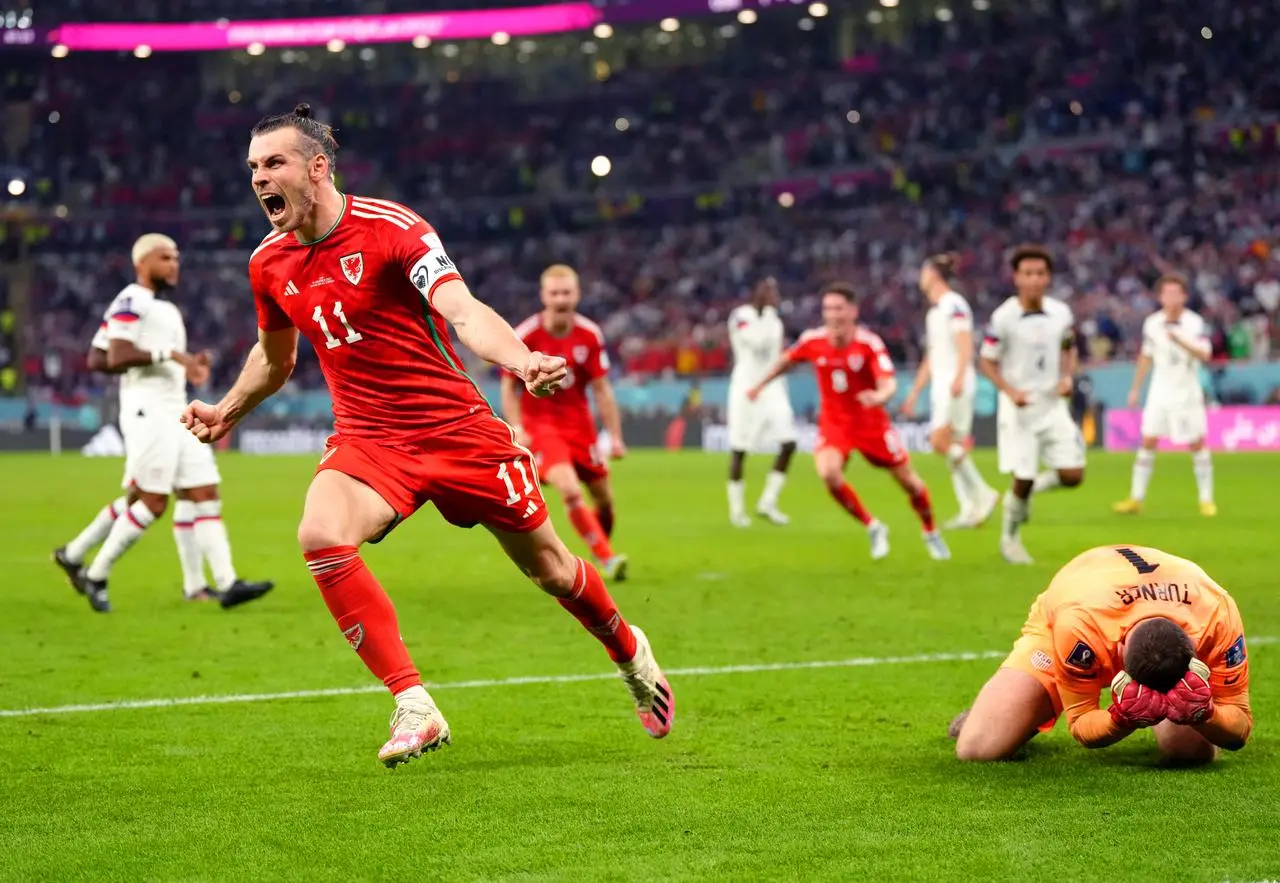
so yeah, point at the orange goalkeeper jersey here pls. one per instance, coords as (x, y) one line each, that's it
(1100, 594)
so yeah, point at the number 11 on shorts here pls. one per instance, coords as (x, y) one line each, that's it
(504, 475)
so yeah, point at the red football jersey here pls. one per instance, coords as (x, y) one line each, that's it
(568, 411)
(843, 372)
(362, 295)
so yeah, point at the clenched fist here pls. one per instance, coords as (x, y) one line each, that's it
(544, 374)
(205, 421)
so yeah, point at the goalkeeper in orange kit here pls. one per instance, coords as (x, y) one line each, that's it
(1166, 638)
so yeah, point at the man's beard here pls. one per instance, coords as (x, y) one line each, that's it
(160, 286)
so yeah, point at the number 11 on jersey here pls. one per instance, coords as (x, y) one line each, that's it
(329, 340)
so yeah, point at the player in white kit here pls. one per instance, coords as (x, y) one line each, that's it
(948, 363)
(1175, 344)
(143, 338)
(1029, 354)
(756, 335)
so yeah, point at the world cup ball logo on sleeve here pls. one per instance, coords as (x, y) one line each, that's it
(353, 267)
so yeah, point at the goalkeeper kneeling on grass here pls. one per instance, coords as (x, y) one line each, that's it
(1156, 628)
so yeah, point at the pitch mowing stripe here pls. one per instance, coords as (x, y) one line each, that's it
(697, 671)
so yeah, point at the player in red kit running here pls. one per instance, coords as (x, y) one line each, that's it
(855, 382)
(560, 430)
(370, 285)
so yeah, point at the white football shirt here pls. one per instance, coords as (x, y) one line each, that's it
(1028, 347)
(1175, 373)
(150, 324)
(756, 337)
(945, 319)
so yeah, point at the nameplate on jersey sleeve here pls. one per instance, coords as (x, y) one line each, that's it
(432, 266)
(1082, 656)
(1236, 653)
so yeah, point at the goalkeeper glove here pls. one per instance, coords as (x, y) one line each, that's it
(1135, 706)
(1191, 700)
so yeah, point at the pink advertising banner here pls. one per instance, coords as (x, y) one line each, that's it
(1234, 428)
(356, 30)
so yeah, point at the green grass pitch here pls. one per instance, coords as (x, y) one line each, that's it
(820, 773)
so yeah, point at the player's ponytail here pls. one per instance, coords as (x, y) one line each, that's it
(318, 135)
(303, 110)
(945, 263)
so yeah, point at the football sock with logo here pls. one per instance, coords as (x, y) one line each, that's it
(588, 527)
(924, 508)
(189, 554)
(591, 604)
(1143, 465)
(1202, 464)
(604, 514)
(364, 614)
(124, 533)
(211, 534)
(846, 497)
(97, 530)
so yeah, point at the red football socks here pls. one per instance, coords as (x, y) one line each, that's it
(924, 508)
(847, 498)
(591, 605)
(364, 613)
(588, 527)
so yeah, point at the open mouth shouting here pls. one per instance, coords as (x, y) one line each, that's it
(274, 205)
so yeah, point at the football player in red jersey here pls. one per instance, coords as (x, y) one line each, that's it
(370, 285)
(855, 383)
(560, 429)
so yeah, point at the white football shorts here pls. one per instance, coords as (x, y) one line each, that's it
(1180, 424)
(761, 426)
(161, 455)
(956, 413)
(1053, 440)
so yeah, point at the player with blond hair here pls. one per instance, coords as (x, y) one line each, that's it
(560, 429)
(947, 367)
(1167, 639)
(144, 339)
(370, 284)
(1175, 345)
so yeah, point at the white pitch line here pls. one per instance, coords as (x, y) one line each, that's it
(698, 671)
(229, 699)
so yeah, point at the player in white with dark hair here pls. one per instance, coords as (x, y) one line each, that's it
(756, 335)
(1029, 354)
(1175, 344)
(948, 369)
(143, 338)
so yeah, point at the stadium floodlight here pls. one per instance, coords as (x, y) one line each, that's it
(603, 31)
(747, 17)
(1207, 33)
(422, 41)
(622, 124)
(60, 51)
(854, 117)
(982, 5)
(501, 38)
(143, 51)
(255, 49)
(786, 199)
(806, 24)
(889, 4)
(875, 16)
(600, 166)
(335, 46)
(944, 14)
(670, 25)
(818, 10)
(17, 187)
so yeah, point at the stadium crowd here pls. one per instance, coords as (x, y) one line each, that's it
(772, 154)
